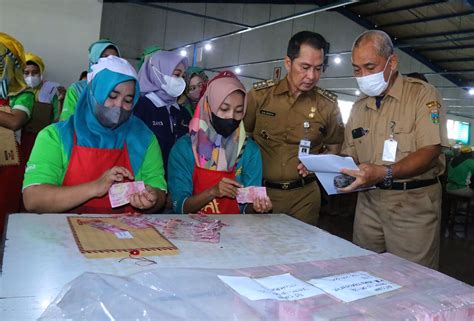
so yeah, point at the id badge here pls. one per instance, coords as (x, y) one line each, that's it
(389, 150)
(305, 145)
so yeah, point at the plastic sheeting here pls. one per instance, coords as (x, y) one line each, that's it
(198, 294)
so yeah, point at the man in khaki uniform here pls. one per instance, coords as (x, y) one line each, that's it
(282, 114)
(395, 132)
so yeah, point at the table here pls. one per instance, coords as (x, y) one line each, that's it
(40, 255)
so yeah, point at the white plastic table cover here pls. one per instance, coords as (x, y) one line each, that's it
(174, 294)
(40, 255)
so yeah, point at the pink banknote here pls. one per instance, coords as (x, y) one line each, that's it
(119, 194)
(248, 194)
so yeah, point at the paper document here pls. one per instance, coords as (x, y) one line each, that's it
(353, 286)
(326, 167)
(283, 287)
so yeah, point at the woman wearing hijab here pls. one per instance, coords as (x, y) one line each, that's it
(207, 166)
(16, 105)
(74, 163)
(195, 78)
(460, 171)
(99, 49)
(161, 83)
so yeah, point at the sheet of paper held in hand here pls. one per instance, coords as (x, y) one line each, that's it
(326, 167)
(119, 193)
(283, 287)
(353, 286)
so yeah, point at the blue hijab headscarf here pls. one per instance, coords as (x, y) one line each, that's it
(97, 48)
(95, 51)
(90, 132)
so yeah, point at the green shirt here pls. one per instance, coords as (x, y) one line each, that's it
(69, 104)
(49, 161)
(460, 176)
(24, 102)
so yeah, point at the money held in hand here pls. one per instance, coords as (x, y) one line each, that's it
(119, 193)
(249, 194)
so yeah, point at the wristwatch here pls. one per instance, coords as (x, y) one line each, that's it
(388, 179)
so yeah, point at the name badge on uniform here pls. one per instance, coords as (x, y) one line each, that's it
(390, 146)
(305, 145)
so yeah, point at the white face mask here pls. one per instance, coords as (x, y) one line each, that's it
(174, 86)
(375, 84)
(33, 81)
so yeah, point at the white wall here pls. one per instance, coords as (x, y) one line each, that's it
(144, 26)
(59, 31)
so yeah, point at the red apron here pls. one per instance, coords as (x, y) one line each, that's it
(11, 179)
(88, 164)
(206, 178)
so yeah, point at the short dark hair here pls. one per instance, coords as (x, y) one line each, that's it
(313, 39)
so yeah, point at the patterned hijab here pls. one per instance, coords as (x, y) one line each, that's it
(211, 150)
(12, 63)
(165, 63)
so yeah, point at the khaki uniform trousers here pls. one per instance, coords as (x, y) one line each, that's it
(404, 223)
(302, 203)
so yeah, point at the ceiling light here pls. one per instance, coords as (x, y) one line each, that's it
(471, 91)
(337, 60)
(207, 46)
(357, 92)
(183, 53)
(237, 70)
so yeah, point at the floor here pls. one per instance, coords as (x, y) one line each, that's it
(457, 247)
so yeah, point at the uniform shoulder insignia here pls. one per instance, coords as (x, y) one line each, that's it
(433, 104)
(264, 84)
(327, 94)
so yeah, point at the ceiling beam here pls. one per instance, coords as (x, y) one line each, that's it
(447, 48)
(410, 51)
(403, 8)
(437, 34)
(426, 19)
(449, 60)
(400, 44)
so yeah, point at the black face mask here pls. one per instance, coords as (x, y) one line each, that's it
(224, 127)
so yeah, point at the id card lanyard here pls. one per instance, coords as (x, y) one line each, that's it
(390, 146)
(305, 143)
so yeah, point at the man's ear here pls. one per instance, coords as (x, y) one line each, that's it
(287, 63)
(394, 62)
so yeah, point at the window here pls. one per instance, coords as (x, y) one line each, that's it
(459, 131)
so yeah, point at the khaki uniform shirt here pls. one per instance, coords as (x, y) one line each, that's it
(415, 107)
(276, 119)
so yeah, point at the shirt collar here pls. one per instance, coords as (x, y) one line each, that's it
(395, 91)
(158, 102)
(282, 87)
